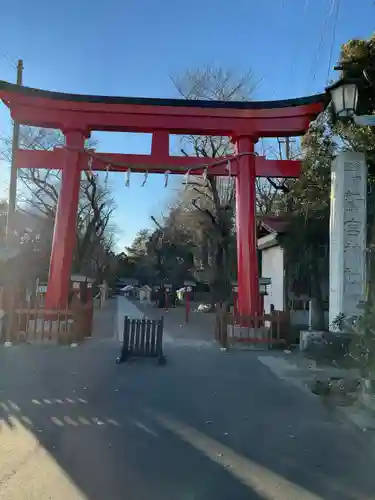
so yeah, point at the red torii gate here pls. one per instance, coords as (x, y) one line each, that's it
(78, 115)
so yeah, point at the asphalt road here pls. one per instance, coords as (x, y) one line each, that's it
(207, 426)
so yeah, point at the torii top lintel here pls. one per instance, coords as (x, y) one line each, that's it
(63, 111)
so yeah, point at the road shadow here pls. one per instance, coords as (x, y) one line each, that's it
(92, 417)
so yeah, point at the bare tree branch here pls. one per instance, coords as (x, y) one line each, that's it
(40, 191)
(210, 218)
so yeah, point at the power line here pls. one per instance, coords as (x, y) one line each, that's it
(298, 46)
(333, 39)
(9, 59)
(329, 9)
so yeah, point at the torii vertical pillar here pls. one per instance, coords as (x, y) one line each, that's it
(247, 260)
(64, 234)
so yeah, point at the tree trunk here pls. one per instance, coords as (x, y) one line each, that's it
(220, 285)
(316, 293)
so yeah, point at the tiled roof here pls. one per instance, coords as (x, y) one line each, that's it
(274, 223)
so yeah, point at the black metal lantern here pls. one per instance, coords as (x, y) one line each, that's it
(344, 97)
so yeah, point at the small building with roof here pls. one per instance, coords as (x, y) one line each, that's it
(272, 263)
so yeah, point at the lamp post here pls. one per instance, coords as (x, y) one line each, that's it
(344, 97)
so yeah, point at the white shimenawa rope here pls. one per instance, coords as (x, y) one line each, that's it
(183, 170)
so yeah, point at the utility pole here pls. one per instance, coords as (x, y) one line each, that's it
(287, 148)
(289, 210)
(13, 170)
(288, 155)
(288, 141)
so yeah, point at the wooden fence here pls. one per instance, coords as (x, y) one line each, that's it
(143, 338)
(30, 322)
(268, 329)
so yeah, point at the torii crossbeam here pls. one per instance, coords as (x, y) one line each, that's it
(78, 115)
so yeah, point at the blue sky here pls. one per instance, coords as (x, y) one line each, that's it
(130, 47)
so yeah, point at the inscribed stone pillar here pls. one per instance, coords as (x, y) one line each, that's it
(347, 279)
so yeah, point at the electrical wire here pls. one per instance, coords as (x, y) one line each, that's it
(315, 60)
(9, 59)
(295, 51)
(333, 41)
